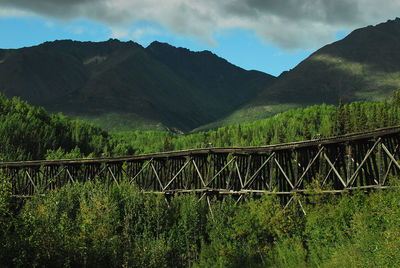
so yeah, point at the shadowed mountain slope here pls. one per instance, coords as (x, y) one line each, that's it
(160, 85)
(365, 65)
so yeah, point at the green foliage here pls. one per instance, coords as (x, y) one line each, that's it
(245, 235)
(28, 132)
(91, 225)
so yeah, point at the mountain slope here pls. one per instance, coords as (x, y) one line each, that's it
(160, 85)
(365, 65)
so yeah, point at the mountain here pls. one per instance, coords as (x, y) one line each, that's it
(122, 85)
(365, 65)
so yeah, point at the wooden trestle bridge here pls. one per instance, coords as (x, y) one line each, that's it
(356, 161)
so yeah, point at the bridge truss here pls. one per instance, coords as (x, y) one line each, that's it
(357, 161)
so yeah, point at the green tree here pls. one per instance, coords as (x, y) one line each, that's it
(166, 145)
(347, 119)
(306, 131)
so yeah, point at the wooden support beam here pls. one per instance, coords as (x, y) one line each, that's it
(219, 172)
(112, 174)
(141, 171)
(354, 176)
(258, 170)
(349, 162)
(334, 170)
(248, 168)
(391, 156)
(309, 166)
(70, 176)
(30, 179)
(176, 175)
(198, 172)
(158, 178)
(389, 166)
(238, 172)
(284, 174)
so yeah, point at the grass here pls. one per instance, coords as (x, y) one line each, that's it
(248, 114)
(114, 122)
(381, 84)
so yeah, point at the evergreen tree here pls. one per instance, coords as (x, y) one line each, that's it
(347, 119)
(239, 133)
(280, 134)
(362, 120)
(384, 114)
(306, 131)
(356, 117)
(396, 98)
(373, 122)
(339, 120)
(166, 145)
(394, 115)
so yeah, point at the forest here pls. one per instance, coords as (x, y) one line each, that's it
(93, 225)
(31, 133)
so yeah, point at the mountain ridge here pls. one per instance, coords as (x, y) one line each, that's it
(92, 79)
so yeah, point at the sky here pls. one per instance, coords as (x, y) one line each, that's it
(266, 35)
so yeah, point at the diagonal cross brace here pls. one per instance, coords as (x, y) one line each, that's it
(258, 170)
(334, 170)
(354, 176)
(176, 175)
(158, 178)
(390, 165)
(141, 170)
(219, 172)
(308, 167)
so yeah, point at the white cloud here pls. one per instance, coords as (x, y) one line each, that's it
(120, 33)
(289, 24)
(49, 24)
(12, 12)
